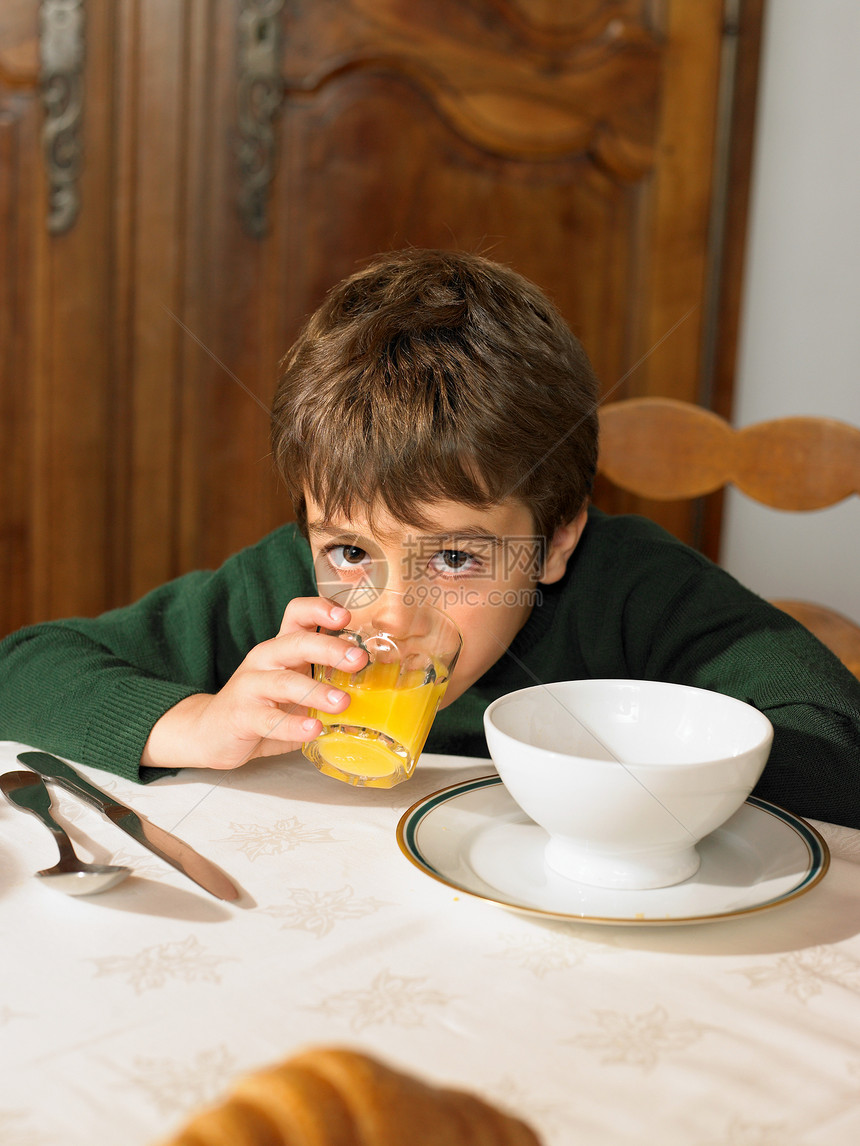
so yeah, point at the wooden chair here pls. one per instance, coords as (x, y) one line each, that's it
(664, 449)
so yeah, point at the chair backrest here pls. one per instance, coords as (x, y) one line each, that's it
(666, 450)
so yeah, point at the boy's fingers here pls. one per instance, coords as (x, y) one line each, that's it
(308, 612)
(303, 647)
(276, 726)
(269, 746)
(287, 687)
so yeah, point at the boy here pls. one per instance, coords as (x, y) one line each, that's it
(436, 426)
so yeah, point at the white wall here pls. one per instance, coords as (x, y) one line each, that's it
(800, 333)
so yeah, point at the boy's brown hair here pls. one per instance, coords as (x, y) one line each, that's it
(436, 375)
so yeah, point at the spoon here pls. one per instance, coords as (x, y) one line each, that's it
(71, 875)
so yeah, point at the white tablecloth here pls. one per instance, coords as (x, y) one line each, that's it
(123, 1012)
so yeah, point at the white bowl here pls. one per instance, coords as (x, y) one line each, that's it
(626, 776)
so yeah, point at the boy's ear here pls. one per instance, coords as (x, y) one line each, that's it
(564, 541)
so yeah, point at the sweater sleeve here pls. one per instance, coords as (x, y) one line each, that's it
(643, 605)
(91, 689)
(716, 634)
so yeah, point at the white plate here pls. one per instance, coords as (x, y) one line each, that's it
(474, 838)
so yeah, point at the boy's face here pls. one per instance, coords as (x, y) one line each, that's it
(483, 567)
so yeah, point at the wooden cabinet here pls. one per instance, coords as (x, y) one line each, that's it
(587, 143)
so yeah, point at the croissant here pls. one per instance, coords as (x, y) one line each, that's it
(338, 1097)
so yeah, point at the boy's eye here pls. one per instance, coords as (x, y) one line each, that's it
(453, 561)
(346, 556)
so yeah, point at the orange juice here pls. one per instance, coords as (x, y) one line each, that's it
(377, 740)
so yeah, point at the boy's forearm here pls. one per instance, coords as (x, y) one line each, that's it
(64, 693)
(814, 765)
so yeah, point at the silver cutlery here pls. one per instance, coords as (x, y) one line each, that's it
(171, 849)
(27, 790)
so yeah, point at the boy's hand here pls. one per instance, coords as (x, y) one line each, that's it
(262, 710)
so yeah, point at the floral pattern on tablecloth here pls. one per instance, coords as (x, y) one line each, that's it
(320, 911)
(255, 840)
(640, 1040)
(186, 959)
(174, 1085)
(740, 1132)
(550, 950)
(389, 999)
(806, 973)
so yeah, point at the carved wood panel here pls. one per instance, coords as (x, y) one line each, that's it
(573, 139)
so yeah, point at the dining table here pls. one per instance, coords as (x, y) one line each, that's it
(365, 920)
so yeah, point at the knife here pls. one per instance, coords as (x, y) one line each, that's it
(174, 851)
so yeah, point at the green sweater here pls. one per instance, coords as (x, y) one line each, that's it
(635, 603)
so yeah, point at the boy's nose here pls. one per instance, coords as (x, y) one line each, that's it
(398, 614)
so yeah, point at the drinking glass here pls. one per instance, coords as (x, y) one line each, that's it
(412, 647)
